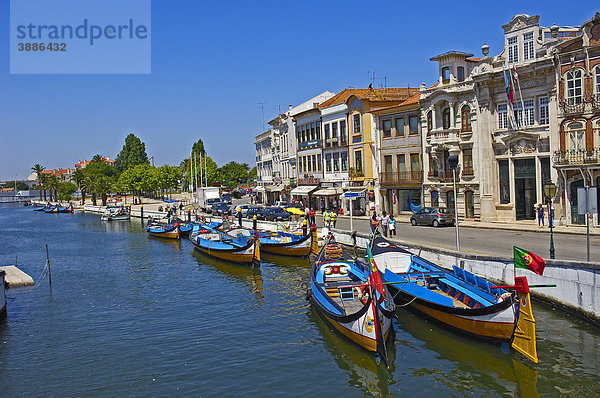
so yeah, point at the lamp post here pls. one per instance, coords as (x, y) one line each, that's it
(453, 164)
(550, 191)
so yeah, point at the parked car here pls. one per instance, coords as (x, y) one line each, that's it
(220, 208)
(435, 216)
(255, 211)
(244, 208)
(276, 214)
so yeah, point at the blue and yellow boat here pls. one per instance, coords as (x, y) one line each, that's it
(237, 249)
(170, 231)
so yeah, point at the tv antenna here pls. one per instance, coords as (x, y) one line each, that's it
(262, 108)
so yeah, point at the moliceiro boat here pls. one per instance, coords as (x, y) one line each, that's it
(349, 294)
(170, 231)
(237, 249)
(458, 299)
(284, 243)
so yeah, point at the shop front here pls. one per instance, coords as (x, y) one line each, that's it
(328, 198)
(303, 194)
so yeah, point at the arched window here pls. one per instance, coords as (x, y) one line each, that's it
(575, 138)
(446, 118)
(574, 87)
(465, 118)
(429, 121)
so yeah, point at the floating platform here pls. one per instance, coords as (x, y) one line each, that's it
(15, 277)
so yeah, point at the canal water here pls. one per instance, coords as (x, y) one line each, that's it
(131, 315)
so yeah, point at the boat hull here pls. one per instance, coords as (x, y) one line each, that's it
(161, 232)
(496, 323)
(242, 255)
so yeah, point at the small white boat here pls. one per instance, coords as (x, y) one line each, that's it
(119, 213)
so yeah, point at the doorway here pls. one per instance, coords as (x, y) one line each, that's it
(576, 218)
(525, 193)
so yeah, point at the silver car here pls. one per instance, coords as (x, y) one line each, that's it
(435, 216)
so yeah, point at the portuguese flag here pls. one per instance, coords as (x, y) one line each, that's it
(528, 260)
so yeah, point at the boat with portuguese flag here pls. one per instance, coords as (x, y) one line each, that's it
(458, 298)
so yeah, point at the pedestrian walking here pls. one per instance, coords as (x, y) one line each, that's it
(374, 223)
(311, 214)
(392, 226)
(540, 215)
(385, 220)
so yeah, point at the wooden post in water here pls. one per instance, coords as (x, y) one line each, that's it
(48, 265)
(142, 214)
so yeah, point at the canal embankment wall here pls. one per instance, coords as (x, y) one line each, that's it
(577, 283)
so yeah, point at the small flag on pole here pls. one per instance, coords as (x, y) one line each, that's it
(527, 260)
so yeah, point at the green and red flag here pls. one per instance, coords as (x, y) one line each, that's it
(374, 277)
(527, 260)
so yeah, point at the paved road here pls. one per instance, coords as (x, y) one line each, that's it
(495, 242)
(492, 241)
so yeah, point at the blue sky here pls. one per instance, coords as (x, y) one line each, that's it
(212, 63)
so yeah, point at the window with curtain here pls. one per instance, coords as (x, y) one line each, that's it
(386, 126)
(358, 160)
(328, 162)
(415, 164)
(357, 124)
(544, 115)
(319, 162)
(529, 113)
(387, 161)
(513, 49)
(344, 161)
(468, 161)
(502, 111)
(313, 135)
(528, 46)
(334, 130)
(446, 118)
(401, 161)
(413, 124)
(336, 162)
(399, 127)
(574, 87)
(465, 118)
(343, 129)
(575, 137)
(327, 131)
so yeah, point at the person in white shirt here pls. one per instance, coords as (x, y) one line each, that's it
(392, 226)
(385, 220)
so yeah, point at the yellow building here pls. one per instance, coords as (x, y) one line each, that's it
(362, 138)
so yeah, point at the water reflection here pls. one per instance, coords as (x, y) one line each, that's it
(234, 272)
(473, 364)
(365, 371)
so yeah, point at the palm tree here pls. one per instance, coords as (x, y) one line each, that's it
(104, 185)
(89, 185)
(78, 176)
(43, 183)
(53, 184)
(37, 169)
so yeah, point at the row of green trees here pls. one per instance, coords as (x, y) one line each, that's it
(132, 173)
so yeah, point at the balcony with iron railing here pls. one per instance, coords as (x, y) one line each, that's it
(443, 176)
(443, 136)
(401, 177)
(573, 105)
(576, 157)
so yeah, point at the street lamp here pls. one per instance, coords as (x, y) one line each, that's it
(453, 164)
(549, 192)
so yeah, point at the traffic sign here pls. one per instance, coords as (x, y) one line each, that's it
(350, 195)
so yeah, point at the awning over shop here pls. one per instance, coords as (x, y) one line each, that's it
(275, 188)
(259, 188)
(303, 190)
(329, 191)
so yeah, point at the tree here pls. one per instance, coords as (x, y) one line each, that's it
(103, 186)
(53, 183)
(37, 169)
(252, 174)
(132, 154)
(21, 186)
(168, 177)
(233, 174)
(65, 189)
(78, 176)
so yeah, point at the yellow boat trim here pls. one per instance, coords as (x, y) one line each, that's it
(524, 340)
(486, 329)
(367, 343)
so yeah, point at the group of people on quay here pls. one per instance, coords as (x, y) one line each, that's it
(385, 224)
